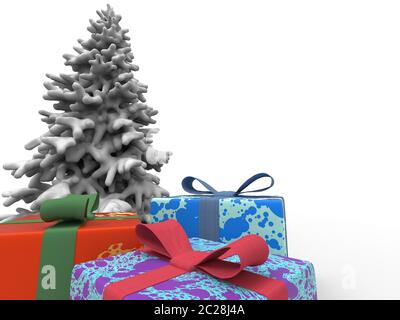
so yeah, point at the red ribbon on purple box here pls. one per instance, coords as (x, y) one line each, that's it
(168, 240)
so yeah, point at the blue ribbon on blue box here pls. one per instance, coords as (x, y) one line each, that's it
(209, 204)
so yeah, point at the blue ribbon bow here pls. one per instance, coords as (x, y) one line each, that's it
(187, 185)
(208, 214)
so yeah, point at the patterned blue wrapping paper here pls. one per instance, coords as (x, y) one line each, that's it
(234, 218)
(89, 279)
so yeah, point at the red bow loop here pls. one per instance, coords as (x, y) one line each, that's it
(251, 249)
(188, 261)
(167, 238)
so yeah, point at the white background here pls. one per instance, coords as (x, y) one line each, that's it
(307, 91)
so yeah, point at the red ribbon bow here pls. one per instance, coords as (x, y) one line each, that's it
(169, 240)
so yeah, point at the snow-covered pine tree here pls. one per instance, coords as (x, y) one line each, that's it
(98, 140)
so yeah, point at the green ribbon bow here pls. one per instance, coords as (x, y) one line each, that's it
(73, 207)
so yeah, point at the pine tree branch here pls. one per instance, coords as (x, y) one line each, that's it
(99, 141)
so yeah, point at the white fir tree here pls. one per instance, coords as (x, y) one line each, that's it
(98, 140)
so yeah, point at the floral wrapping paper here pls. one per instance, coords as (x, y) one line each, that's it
(89, 279)
(238, 216)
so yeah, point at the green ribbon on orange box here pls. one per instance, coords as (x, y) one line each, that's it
(58, 244)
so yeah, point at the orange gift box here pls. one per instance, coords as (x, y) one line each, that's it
(21, 243)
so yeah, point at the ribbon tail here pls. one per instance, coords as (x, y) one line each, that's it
(57, 259)
(120, 289)
(270, 288)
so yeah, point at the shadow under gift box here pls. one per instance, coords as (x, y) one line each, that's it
(21, 243)
(226, 219)
(90, 279)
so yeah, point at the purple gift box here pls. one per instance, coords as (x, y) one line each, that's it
(91, 278)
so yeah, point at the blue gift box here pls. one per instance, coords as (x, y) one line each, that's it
(226, 216)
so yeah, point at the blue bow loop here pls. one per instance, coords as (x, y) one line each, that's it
(187, 185)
